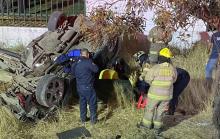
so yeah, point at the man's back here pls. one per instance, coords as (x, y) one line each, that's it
(84, 71)
(216, 45)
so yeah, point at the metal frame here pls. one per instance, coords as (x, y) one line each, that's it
(23, 12)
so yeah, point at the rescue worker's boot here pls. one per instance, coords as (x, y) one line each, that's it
(157, 133)
(170, 110)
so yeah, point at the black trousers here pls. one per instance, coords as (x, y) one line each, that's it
(182, 81)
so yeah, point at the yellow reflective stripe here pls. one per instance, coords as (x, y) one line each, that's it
(153, 52)
(153, 96)
(146, 122)
(101, 74)
(161, 83)
(165, 72)
(164, 78)
(115, 75)
(158, 124)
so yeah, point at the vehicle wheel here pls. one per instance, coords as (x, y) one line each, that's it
(50, 90)
(55, 20)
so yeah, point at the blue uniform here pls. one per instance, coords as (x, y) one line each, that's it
(84, 72)
(181, 83)
(213, 59)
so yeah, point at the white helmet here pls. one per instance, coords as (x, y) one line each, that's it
(138, 55)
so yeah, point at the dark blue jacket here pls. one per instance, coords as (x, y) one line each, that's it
(84, 71)
(216, 45)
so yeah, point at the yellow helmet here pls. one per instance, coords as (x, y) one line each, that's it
(166, 53)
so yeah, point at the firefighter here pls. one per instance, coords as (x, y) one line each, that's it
(159, 38)
(84, 71)
(160, 78)
(157, 43)
(141, 58)
(142, 87)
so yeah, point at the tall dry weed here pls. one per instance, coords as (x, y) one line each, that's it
(124, 96)
(8, 124)
(196, 95)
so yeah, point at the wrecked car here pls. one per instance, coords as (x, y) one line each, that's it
(40, 79)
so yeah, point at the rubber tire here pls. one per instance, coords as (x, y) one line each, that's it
(41, 89)
(54, 20)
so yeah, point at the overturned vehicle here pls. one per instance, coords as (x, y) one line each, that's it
(40, 78)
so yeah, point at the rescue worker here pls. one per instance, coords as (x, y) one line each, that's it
(141, 58)
(160, 37)
(181, 83)
(84, 71)
(160, 78)
(157, 43)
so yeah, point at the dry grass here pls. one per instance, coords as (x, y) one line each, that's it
(123, 117)
(195, 96)
(190, 101)
(195, 99)
(197, 127)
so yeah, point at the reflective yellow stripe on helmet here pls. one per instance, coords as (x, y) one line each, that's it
(161, 83)
(156, 97)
